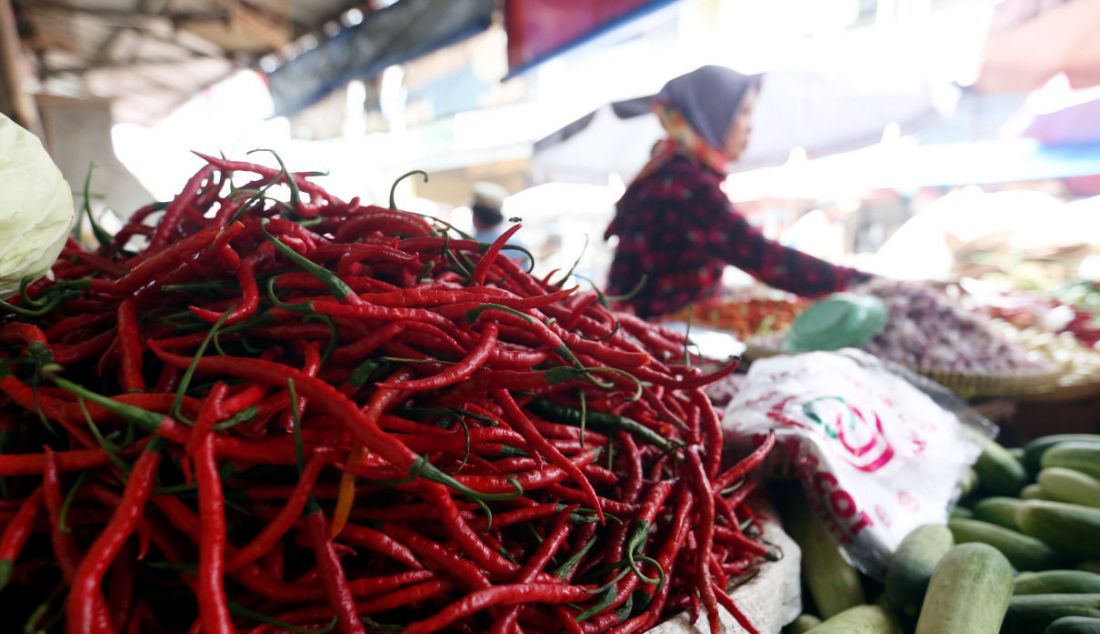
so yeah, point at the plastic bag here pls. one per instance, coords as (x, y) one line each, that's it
(878, 450)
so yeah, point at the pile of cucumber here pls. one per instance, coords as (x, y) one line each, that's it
(1019, 555)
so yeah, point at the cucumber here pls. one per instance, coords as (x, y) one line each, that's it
(1033, 452)
(998, 472)
(961, 512)
(1070, 485)
(862, 619)
(968, 483)
(1079, 456)
(912, 566)
(1034, 492)
(804, 623)
(1074, 625)
(969, 592)
(998, 510)
(1023, 552)
(1031, 613)
(1057, 582)
(1070, 529)
(834, 584)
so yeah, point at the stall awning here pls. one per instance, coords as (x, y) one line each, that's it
(541, 29)
(396, 34)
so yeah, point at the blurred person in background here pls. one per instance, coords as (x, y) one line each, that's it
(677, 229)
(487, 213)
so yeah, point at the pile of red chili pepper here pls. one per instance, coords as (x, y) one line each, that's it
(285, 412)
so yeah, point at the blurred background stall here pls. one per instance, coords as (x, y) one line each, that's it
(936, 140)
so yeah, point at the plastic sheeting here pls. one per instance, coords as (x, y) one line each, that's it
(821, 112)
(1039, 39)
(396, 34)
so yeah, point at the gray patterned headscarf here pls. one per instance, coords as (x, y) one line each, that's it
(707, 98)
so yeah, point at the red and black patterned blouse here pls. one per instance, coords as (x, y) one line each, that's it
(678, 229)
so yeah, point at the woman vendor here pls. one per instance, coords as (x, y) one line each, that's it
(676, 228)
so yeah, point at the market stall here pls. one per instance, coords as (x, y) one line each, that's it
(350, 414)
(274, 399)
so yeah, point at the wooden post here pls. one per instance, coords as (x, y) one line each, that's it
(14, 101)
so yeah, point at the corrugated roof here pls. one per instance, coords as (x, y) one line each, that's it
(149, 56)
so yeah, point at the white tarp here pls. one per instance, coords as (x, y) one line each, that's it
(822, 113)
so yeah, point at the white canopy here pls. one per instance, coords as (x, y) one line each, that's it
(822, 113)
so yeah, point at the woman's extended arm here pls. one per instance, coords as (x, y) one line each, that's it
(731, 238)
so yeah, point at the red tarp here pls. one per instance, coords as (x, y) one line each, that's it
(537, 29)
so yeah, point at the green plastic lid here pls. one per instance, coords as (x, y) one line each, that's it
(841, 320)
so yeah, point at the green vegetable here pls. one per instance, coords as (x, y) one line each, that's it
(36, 208)
(1068, 528)
(1031, 613)
(804, 623)
(1074, 625)
(1057, 582)
(834, 584)
(970, 591)
(1033, 452)
(1034, 492)
(1023, 552)
(911, 568)
(999, 473)
(861, 619)
(968, 483)
(1070, 485)
(1077, 455)
(961, 512)
(998, 510)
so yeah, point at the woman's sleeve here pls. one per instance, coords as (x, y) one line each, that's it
(730, 237)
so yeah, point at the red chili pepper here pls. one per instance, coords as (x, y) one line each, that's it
(736, 538)
(120, 594)
(157, 262)
(486, 261)
(750, 462)
(83, 351)
(34, 463)
(64, 546)
(209, 413)
(332, 576)
(16, 533)
(542, 555)
(250, 299)
(311, 366)
(85, 596)
(458, 436)
(213, 604)
(129, 347)
(268, 173)
(380, 543)
(371, 218)
(455, 373)
(438, 557)
(175, 210)
(296, 280)
(278, 527)
(365, 430)
(97, 262)
(518, 420)
(698, 480)
(500, 595)
(728, 603)
(75, 328)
